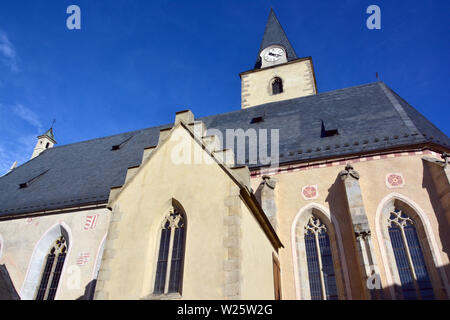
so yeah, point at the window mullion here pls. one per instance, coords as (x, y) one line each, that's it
(50, 276)
(169, 259)
(410, 262)
(319, 259)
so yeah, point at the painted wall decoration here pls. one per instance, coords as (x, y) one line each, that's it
(91, 222)
(394, 180)
(83, 258)
(310, 192)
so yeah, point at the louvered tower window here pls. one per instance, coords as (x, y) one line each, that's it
(277, 86)
(169, 269)
(409, 257)
(322, 280)
(51, 273)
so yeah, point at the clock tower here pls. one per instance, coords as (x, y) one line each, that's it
(278, 73)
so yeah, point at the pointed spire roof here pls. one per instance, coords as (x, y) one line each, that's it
(274, 34)
(49, 134)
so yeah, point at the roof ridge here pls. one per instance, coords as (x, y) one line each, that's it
(110, 136)
(217, 114)
(398, 107)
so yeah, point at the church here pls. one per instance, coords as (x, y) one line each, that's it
(300, 195)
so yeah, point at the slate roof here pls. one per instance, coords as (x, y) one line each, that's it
(274, 34)
(368, 118)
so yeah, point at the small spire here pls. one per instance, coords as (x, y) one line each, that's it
(14, 165)
(274, 34)
(45, 141)
(49, 133)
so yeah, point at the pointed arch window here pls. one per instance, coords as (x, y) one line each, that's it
(169, 269)
(52, 270)
(322, 279)
(409, 257)
(277, 86)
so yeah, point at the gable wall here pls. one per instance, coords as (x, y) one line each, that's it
(204, 191)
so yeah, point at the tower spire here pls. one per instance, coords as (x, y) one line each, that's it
(45, 141)
(275, 35)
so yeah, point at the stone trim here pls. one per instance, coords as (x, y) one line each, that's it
(109, 253)
(232, 246)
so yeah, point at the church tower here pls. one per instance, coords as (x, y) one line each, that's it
(278, 73)
(45, 141)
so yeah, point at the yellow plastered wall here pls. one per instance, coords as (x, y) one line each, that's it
(257, 265)
(374, 189)
(202, 190)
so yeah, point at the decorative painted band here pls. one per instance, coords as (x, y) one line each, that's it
(302, 167)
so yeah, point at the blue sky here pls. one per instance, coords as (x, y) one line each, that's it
(135, 63)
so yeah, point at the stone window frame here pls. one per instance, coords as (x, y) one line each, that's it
(299, 254)
(270, 86)
(33, 275)
(175, 206)
(58, 249)
(433, 261)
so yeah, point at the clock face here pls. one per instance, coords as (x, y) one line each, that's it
(273, 54)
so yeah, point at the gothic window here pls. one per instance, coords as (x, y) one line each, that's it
(51, 273)
(322, 280)
(277, 86)
(409, 257)
(169, 268)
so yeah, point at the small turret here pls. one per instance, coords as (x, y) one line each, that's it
(45, 141)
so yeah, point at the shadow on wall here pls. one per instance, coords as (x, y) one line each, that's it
(7, 290)
(429, 185)
(337, 202)
(439, 293)
(89, 291)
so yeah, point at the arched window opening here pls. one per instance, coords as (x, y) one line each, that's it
(409, 257)
(47, 145)
(277, 86)
(51, 273)
(322, 279)
(169, 269)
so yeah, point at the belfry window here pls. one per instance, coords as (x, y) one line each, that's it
(277, 86)
(409, 257)
(322, 280)
(51, 273)
(169, 268)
